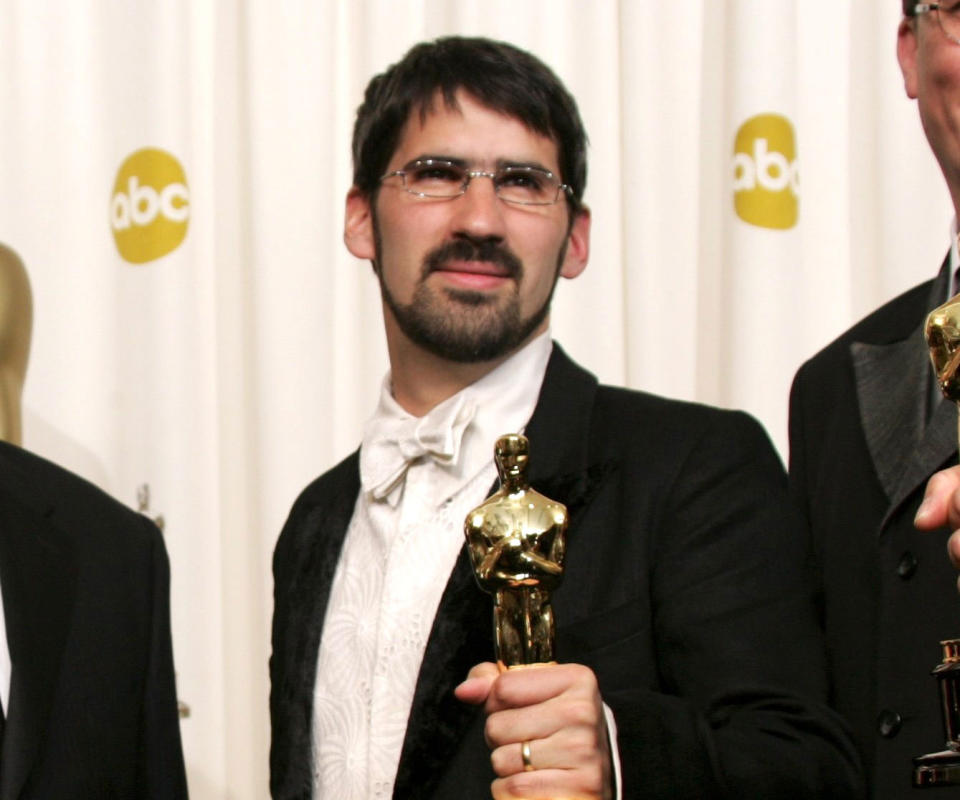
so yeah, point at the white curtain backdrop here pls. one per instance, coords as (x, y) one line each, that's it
(229, 371)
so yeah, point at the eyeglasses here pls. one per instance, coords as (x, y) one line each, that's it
(948, 15)
(432, 178)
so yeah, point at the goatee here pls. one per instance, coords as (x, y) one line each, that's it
(463, 325)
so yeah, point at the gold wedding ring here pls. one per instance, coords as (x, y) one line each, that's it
(525, 755)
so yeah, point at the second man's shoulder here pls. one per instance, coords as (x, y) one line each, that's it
(892, 322)
(81, 511)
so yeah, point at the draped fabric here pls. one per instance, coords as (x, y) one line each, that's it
(173, 175)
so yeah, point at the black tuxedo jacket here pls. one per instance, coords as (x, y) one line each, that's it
(866, 432)
(85, 583)
(683, 590)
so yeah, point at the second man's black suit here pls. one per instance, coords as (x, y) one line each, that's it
(867, 429)
(85, 581)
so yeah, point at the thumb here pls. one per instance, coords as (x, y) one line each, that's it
(476, 687)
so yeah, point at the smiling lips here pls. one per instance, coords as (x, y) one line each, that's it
(474, 274)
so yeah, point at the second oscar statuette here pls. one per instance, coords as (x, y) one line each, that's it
(943, 768)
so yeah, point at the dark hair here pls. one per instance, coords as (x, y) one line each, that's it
(499, 75)
(908, 8)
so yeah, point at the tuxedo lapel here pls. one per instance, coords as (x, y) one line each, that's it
(38, 584)
(561, 466)
(461, 636)
(462, 632)
(894, 390)
(558, 430)
(893, 384)
(307, 563)
(936, 448)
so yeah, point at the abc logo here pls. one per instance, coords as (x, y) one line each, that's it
(150, 205)
(766, 186)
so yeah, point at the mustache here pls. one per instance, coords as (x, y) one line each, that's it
(487, 250)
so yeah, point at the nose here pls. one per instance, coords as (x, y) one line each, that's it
(479, 212)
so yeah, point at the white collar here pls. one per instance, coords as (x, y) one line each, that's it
(503, 402)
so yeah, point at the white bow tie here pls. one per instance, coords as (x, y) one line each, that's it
(391, 445)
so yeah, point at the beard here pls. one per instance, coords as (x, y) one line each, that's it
(463, 325)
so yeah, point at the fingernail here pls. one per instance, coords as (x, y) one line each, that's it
(924, 509)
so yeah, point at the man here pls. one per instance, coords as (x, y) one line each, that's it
(690, 659)
(88, 707)
(868, 427)
(86, 670)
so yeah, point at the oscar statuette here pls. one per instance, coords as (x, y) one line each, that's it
(516, 544)
(942, 330)
(16, 321)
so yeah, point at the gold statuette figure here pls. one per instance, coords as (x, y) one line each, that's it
(516, 543)
(943, 769)
(943, 338)
(16, 319)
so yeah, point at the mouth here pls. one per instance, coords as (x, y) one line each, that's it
(473, 274)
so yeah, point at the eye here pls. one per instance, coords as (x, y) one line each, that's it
(434, 172)
(525, 178)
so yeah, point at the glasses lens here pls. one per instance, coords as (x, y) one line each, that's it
(431, 178)
(949, 16)
(527, 186)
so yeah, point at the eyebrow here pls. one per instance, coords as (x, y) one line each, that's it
(459, 162)
(466, 164)
(501, 163)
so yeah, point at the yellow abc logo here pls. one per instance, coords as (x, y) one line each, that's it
(150, 205)
(766, 184)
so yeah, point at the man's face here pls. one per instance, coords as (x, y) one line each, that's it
(931, 72)
(470, 278)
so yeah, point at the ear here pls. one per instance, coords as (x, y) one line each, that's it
(578, 245)
(907, 55)
(358, 225)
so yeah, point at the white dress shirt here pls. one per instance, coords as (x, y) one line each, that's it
(400, 548)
